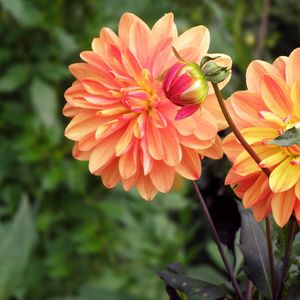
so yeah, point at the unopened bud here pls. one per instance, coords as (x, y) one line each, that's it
(215, 73)
(185, 85)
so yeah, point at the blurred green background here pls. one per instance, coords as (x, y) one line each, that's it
(63, 236)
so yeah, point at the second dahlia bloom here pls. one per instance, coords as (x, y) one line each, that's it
(264, 112)
(123, 124)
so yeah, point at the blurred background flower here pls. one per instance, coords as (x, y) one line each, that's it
(77, 240)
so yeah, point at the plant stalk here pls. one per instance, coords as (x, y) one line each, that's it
(256, 158)
(218, 241)
(285, 264)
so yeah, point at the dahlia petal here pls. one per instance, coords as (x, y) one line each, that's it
(232, 147)
(244, 107)
(207, 127)
(80, 155)
(190, 166)
(191, 141)
(292, 67)
(215, 151)
(271, 119)
(162, 176)
(297, 210)
(81, 125)
(295, 96)
(280, 65)
(126, 21)
(211, 104)
(126, 140)
(276, 95)
(198, 37)
(255, 134)
(128, 163)
(273, 159)
(110, 175)
(282, 206)
(147, 160)
(245, 165)
(104, 153)
(284, 176)
(164, 28)
(186, 126)
(297, 189)
(255, 73)
(154, 142)
(244, 185)
(87, 143)
(140, 40)
(146, 188)
(171, 147)
(128, 183)
(71, 111)
(186, 111)
(257, 192)
(262, 208)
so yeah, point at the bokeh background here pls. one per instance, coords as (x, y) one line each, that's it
(63, 236)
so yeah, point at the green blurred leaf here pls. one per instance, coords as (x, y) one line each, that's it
(296, 245)
(254, 248)
(53, 71)
(14, 77)
(15, 248)
(288, 138)
(195, 289)
(44, 101)
(293, 292)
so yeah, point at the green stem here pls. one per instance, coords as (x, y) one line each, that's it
(218, 242)
(256, 158)
(286, 258)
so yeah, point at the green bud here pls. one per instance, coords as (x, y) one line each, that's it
(215, 73)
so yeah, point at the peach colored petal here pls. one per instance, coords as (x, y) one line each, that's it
(164, 28)
(273, 159)
(126, 21)
(262, 208)
(295, 96)
(257, 192)
(140, 42)
(280, 65)
(104, 153)
(154, 142)
(276, 95)
(244, 107)
(110, 175)
(211, 104)
(146, 188)
(245, 165)
(80, 155)
(297, 189)
(297, 210)
(162, 176)
(198, 37)
(254, 134)
(292, 67)
(171, 147)
(81, 125)
(190, 166)
(231, 147)
(215, 151)
(128, 163)
(255, 73)
(282, 206)
(284, 176)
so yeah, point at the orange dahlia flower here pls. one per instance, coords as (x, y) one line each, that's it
(123, 124)
(265, 111)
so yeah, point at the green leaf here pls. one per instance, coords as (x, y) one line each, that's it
(296, 245)
(53, 71)
(15, 248)
(45, 103)
(14, 77)
(176, 278)
(293, 292)
(288, 138)
(254, 248)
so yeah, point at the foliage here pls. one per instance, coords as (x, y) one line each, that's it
(91, 243)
